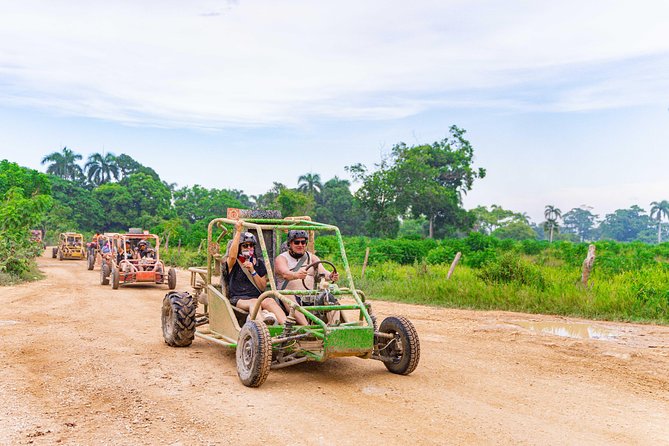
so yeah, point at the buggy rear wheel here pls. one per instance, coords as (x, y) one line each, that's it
(401, 354)
(115, 278)
(104, 274)
(254, 353)
(178, 319)
(91, 261)
(171, 278)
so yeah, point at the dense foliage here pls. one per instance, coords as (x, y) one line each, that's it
(24, 197)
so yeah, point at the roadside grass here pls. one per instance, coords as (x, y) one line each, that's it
(30, 275)
(641, 296)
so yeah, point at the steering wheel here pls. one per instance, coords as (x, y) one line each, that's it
(315, 265)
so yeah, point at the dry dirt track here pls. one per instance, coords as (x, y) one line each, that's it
(84, 364)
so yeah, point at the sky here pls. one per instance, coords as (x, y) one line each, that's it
(565, 103)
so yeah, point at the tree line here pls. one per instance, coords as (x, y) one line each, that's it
(413, 192)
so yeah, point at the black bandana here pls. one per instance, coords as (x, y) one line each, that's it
(295, 255)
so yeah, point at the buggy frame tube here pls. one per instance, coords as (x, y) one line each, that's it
(275, 224)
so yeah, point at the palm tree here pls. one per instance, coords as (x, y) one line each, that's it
(63, 164)
(660, 209)
(552, 214)
(100, 169)
(309, 183)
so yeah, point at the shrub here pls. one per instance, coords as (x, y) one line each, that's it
(511, 268)
(441, 254)
(480, 258)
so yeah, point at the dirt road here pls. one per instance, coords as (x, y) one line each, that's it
(84, 364)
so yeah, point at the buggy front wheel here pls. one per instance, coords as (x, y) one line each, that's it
(115, 278)
(91, 261)
(178, 319)
(254, 353)
(401, 353)
(171, 278)
(104, 274)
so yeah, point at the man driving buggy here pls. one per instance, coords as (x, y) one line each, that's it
(246, 277)
(146, 255)
(144, 250)
(291, 267)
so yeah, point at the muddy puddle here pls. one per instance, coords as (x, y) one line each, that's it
(569, 330)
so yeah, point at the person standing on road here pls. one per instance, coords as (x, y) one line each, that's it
(291, 267)
(247, 277)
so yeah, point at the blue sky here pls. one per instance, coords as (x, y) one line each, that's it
(566, 103)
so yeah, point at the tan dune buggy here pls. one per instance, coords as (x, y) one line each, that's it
(130, 265)
(101, 251)
(71, 246)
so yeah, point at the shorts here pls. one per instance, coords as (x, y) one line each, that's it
(235, 299)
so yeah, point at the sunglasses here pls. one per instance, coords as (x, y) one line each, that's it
(247, 245)
(300, 242)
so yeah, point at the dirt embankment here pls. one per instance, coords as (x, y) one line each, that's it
(84, 364)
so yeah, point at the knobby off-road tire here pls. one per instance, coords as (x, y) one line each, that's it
(178, 319)
(171, 279)
(115, 278)
(54, 252)
(403, 354)
(254, 353)
(60, 255)
(104, 274)
(91, 262)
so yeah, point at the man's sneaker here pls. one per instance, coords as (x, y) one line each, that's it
(268, 317)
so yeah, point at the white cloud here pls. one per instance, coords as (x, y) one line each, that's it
(249, 63)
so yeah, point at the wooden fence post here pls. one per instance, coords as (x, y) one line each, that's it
(364, 264)
(179, 248)
(587, 265)
(453, 265)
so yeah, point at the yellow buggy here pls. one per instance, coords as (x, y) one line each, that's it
(71, 246)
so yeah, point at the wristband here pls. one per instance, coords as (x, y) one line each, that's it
(254, 273)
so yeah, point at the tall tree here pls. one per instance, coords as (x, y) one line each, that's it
(377, 196)
(552, 214)
(580, 221)
(337, 206)
(100, 169)
(64, 164)
(309, 183)
(293, 203)
(659, 210)
(487, 221)
(431, 179)
(626, 225)
(197, 203)
(127, 166)
(150, 198)
(426, 180)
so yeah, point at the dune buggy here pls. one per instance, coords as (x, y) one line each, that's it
(260, 347)
(71, 246)
(100, 251)
(130, 265)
